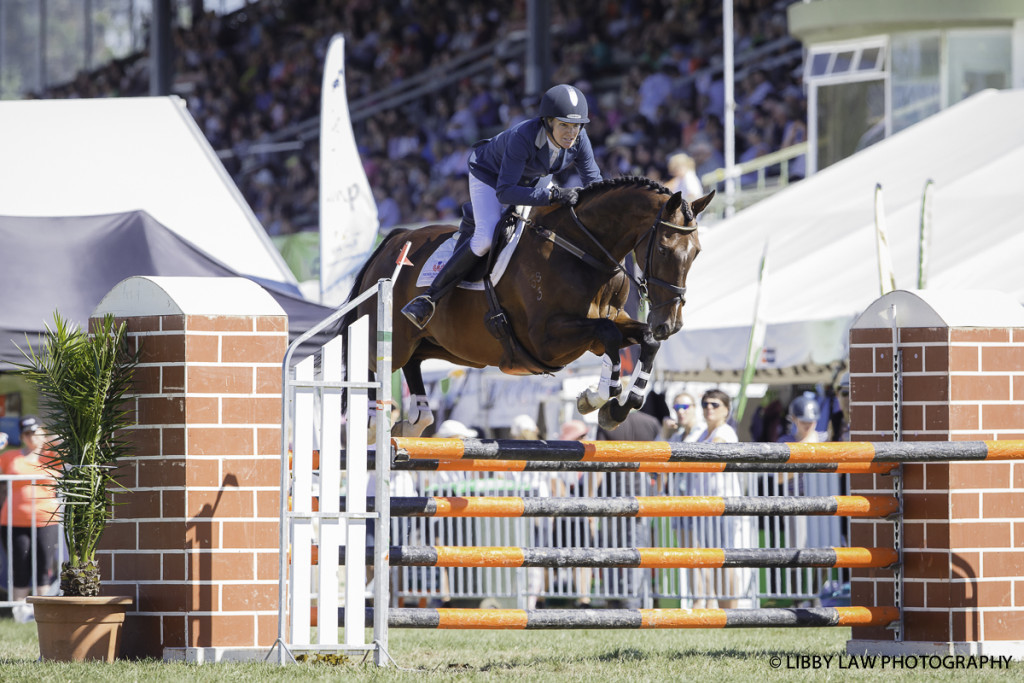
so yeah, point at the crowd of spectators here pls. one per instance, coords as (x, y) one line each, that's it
(645, 66)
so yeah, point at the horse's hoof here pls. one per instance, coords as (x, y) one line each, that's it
(635, 401)
(585, 402)
(611, 415)
(410, 429)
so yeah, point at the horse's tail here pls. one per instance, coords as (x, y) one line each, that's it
(358, 285)
(357, 288)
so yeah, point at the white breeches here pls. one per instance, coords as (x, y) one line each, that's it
(486, 212)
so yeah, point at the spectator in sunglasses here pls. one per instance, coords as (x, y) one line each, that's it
(687, 424)
(725, 532)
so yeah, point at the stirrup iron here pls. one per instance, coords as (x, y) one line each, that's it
(420, 321)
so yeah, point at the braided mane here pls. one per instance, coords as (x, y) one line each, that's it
(634, 181)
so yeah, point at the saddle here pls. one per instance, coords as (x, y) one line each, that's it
(516, 360)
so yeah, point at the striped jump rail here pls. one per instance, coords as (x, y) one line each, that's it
(462, 465)
(639, 558)
(515, 619)
(406, 448)
(640, 506)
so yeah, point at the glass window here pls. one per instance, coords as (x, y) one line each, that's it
(112, 31)
(870, 59)
(19, 63)
(916, 92)
(819, 63)
(65, 40)
(978, 59)
(843, 61)
(851, 116)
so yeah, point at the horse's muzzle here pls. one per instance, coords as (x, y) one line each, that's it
(665, 330)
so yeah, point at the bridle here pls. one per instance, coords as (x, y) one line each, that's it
(640, 279)
(644, 277)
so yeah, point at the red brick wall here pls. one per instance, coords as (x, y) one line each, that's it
(196, 542)
(962, 529)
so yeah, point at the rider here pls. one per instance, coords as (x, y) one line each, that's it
(507, 169)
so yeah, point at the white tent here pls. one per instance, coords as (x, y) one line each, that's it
(823, 268)
(89, 157)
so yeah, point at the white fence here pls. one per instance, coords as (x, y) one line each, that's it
(313, 529)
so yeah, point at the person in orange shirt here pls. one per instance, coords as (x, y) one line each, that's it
(30, 504)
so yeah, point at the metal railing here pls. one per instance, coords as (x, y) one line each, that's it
(7, 559)
(750, 190)
(524, 588)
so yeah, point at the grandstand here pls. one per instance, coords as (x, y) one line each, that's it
(426, 83)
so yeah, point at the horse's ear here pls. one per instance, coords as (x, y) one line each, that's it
(698, 205)
(673, 204)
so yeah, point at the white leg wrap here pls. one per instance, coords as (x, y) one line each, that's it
(638, 374)
(420, 417)
(604, 385)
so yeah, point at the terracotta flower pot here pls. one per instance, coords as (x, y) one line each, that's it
(75, 629)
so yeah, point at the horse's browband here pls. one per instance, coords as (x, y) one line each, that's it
(680, 228)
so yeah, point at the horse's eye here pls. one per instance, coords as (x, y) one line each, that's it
(662, 251)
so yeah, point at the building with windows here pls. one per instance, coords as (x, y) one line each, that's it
(875, 67)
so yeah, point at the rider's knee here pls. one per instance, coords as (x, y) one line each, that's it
(481, 243)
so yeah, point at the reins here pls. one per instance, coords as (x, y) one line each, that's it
(611, 265)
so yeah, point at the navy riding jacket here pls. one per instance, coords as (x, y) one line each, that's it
(514, 160)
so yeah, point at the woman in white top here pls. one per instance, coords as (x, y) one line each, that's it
(683, 172)
(717, 532)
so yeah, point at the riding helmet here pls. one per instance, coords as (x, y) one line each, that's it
(565, 103)
(804, 408)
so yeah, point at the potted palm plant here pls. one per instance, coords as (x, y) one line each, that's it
(83, 381)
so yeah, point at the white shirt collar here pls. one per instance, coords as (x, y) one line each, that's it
(542, 137)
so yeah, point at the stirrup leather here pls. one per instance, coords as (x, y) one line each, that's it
(419, 318)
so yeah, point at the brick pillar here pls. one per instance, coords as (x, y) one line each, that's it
(196, 541)
(963, 523)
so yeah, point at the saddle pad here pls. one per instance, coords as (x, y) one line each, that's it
(436, 261)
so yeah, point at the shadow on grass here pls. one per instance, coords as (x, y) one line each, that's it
(622, 655)
(628, 654)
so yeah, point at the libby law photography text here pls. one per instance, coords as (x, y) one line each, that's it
(889, 662)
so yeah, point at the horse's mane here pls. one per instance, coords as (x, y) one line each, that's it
(633, 181)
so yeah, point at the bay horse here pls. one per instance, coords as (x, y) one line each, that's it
(563, 293)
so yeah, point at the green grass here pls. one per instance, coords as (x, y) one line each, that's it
(590, 656)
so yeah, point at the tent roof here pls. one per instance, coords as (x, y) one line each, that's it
(822, 263)
(101, 156)
(69, 264)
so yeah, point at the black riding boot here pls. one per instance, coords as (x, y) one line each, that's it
(421, 309)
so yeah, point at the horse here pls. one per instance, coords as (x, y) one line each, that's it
(562, 294)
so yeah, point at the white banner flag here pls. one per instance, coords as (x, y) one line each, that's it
(348, 212)
(924, 235)
(755, 343)
(886, 274)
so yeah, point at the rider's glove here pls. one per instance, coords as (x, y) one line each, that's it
(565, 195)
